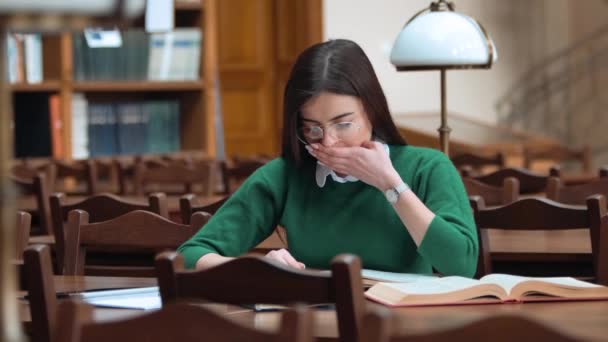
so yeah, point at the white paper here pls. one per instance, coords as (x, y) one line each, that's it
(159, 15)
(144, 298)
(103, 38)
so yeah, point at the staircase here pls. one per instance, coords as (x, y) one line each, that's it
(565, 97)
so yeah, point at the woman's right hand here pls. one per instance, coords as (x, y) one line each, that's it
(283, 256)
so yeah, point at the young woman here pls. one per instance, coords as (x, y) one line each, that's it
(346, 183)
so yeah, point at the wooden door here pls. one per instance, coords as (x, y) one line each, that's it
(258, 43)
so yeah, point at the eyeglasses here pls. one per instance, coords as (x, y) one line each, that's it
(337, 130)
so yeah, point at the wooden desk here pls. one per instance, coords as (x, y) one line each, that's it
(580, 319)
(65, 284)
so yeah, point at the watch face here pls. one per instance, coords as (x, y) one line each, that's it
(391, 195)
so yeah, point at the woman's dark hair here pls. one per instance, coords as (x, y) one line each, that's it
(341, 67)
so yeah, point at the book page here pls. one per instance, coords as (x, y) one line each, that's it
(508, 282)
(435, 286)
(393, 277)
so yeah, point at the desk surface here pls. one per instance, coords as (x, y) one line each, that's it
(579, 319)
(504, 245)
(582, 320)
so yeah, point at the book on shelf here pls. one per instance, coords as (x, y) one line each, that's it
(33, 57)
(128, 127)
(58, 150)
(493, 288)
(175, 55)
(32, 119)
(24, 58)
(80, 124)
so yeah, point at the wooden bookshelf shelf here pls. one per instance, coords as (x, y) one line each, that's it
(80, 82)
(137, 86)
(35, 87)
(188, 5)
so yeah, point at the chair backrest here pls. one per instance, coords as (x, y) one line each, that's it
(378, 327)
(187, 207)
(529, 182)
(134, 231)
(575, 194)
(107, 175)
(478, 161)
(176, 173)
(177, 322)
(26, 169)
(24, 225)
(100, 207)
(234, 173)
(41, 291)
(493, 195)
(557, 154)
(603, 171)
(545, 214)
(37, 187)
(82, 171)
(257, 279)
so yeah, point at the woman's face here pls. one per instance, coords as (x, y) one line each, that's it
(334, 120)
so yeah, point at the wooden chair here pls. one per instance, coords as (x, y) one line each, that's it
(256, 279)
(177, 322)
(175, 177)
(24, 225)
(493, 195)
(575, 194)
(558, 154)
(108, 179)
(234, 173)
(478, 161)
(41, 291)
(28, 169)
(82, 172)
(545, 214)
(100, 207)
(187, 207)
(38, 188)
(378, 327)
(529, 182)
(134, 231)
(603, 171)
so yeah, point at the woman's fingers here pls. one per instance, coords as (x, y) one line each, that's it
(291, 261)
(283, 256)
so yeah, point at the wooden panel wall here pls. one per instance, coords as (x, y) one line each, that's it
(258, 42)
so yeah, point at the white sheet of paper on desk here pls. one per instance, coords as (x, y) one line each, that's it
(144, 298)
(392, 277)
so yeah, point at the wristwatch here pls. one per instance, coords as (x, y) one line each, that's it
(392, 194)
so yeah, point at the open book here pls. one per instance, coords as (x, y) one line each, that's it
(493, 288)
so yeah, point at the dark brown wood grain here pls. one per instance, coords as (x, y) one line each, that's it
(134, 231)
(256, 279)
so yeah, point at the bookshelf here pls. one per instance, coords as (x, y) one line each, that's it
(196, 97)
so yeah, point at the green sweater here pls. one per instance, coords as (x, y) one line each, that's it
(351, 217)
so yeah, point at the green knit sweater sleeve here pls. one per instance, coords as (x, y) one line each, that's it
(450, 243)
(246, 219)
